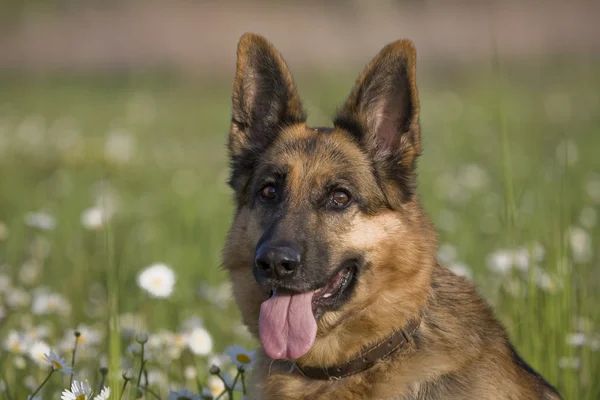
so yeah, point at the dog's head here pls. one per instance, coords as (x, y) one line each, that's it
(328, 241)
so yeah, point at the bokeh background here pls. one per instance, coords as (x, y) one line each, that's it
(113, 123)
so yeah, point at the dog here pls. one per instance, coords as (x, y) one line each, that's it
(331, 257)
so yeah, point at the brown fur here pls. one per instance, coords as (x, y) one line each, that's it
(460, 351)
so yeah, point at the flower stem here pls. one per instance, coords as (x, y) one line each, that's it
(243, 382)
(139, 380)
(123, 389)
(77, 334)
(153, 393)
(43, 383)
(227, 390)
(103, 372)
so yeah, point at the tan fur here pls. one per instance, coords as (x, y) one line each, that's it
(460, 350)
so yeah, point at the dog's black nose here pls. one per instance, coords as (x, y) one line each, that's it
(277, 260)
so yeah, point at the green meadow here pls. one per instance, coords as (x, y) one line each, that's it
(103, 177)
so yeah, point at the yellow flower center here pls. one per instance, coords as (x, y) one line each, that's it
(243, 358)
(80, 397)
(157, 282)
(56, 365)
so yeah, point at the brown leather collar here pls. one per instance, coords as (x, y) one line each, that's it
(368, 357)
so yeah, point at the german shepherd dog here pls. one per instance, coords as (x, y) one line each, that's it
(331, 257)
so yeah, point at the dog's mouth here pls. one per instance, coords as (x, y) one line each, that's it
(333, 293)
(288, 320)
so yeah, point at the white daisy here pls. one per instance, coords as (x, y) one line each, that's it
(581, 244)
(569, 362)
(38, 351)
(158, 280)
(214, 388)
(79, 391)
(17, 298)
(200, 341)
(40, 221)
(190, 373)
(500, 261)
(183, 394)
(94, 218)
(240, 356)
(16, 342)
(104, 394)
(58, 363)
(45, 303)
(576, 339)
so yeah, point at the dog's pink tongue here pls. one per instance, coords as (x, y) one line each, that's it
(287, 326)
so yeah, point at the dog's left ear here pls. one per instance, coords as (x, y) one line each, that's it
(382, 112)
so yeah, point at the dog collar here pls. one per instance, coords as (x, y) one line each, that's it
(367, 358)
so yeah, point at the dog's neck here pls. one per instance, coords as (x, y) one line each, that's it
(368, 357)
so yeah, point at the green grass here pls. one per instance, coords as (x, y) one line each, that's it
(491, 178)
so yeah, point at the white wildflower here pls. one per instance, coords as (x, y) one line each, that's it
(104, 394)
(40, 220)
(190, 373)
(569, 362)
(581, 244)
(200, 341)
(57, 363)
(17, 298)
(500, 261)
(576, 339)
(94, 218)
(158, 280)
(16, 342)
(214, 388)
(29, 273)
(45, 303)
(240, 356)
(79, 391)
(38, 351)
(545, 281)
(521, 258)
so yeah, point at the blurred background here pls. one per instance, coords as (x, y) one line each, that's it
(114, 116)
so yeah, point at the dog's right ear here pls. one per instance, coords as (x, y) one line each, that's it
(264, 99)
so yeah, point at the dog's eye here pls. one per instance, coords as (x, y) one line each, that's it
(340, 198)
(268, 192)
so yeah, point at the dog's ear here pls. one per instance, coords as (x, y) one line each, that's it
(264, 97)
(382, 113)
